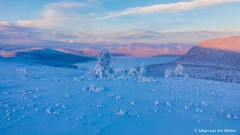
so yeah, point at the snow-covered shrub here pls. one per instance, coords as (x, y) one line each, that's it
(95, 88)
(142, 75)
(132, 73)
(132, 103)
(22, 73)
(228, 116)
(104, 65)
(168, 104)
(177, 72)
(133, 114)
(120, 74)
(146, 79)
(121, 112)
(142, 70)
(79, 66)
(168, 73)
(156, 102)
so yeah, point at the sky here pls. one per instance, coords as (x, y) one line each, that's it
(117, 22)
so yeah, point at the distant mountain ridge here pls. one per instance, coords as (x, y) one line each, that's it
(48, 57)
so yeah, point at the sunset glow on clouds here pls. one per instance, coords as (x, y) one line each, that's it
(106, 22)
(171, 7)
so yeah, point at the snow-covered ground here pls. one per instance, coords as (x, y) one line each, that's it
(44, 100)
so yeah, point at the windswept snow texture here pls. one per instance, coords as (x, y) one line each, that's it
(217, 59)
(47, 100)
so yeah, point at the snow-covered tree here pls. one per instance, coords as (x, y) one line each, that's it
(104, 65)
(142, 70)
(120, 73)
(104, 69)
(179, 70)
(95, 88)
(132, 73)
(22, 73)
(142, 73)
(168, 73)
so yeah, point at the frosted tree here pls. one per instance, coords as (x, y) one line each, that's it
(132, 73)
(95, 88)
(142, 70)
(168, 73)
(22, 73)
(179, 70)
(104, 65)
(142, 75)
(120, 74)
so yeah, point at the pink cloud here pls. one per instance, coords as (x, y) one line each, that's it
(11, 34)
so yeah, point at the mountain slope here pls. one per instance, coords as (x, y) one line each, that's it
(223, 52)
(216, 59)
(227, 44)
(207, 56)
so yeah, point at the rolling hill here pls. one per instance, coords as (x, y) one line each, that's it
(49, 57)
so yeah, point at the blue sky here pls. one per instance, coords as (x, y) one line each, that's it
(117, 21)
